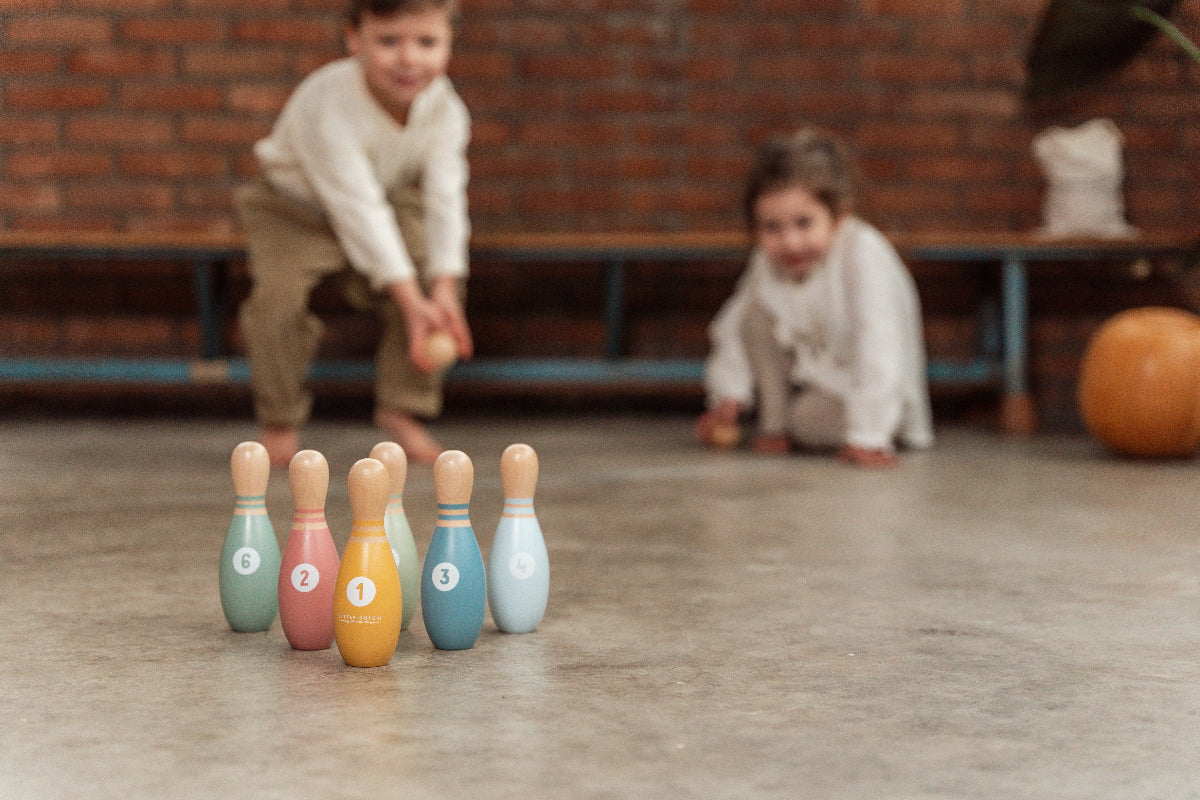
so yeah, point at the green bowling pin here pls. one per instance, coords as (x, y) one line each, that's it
(397, 529)
(249, 572)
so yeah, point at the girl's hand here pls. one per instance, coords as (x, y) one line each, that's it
(867, 457)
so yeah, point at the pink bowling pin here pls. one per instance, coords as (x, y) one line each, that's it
(309, 568)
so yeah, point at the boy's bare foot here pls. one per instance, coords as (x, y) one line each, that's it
(419, 446)
(281, 444)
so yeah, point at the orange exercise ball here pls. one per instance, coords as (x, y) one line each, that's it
(1139, 384)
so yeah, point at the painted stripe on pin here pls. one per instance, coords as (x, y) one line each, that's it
(247, 504)
(309, 520)
(518, 507)
(453, 515)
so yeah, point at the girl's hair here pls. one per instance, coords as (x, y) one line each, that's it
(810, 159)
(386, 8)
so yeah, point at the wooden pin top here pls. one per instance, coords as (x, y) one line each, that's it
(519, 470)
(368, 485)
(453, 477)
(308, 475)
(250, 466)
(392, 456)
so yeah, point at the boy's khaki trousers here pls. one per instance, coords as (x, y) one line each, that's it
(291, 248)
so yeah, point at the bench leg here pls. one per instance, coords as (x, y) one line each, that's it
(1017, 411)
(614, 311)
(210, 333)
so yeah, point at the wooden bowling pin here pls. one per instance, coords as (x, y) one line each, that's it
(399, 532)
(250, 554)
(453, 583)
(310, 559)
(366, 600)
(518, 575)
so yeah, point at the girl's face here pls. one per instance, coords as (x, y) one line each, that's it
(795, 229)
(401, 55)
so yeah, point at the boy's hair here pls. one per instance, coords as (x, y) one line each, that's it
(811, 159)
(386, 8)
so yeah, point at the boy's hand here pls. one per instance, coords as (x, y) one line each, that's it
(445, 297)
(421, 317)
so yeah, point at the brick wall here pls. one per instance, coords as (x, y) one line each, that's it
(588, 114)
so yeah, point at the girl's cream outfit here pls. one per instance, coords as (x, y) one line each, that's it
(834, 359)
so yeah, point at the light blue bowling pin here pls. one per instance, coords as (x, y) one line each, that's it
(249, 570)
(518, 573)
(453, 584)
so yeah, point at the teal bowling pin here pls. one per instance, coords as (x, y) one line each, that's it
(397, 529)
(453, 581)
(518, 575)
(249, 570)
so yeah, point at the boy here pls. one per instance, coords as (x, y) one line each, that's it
(364, 174)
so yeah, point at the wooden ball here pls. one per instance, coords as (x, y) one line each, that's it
(1139, 383)
(441, 349)
(725, 435)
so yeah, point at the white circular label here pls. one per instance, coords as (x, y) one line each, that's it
(396, 556)
(444, 577)
(246, 561)
(360, 591)
(522, 565)
(305, 577)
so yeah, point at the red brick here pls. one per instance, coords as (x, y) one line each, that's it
(561, 66)
(121, 61)
(912, 68)
(27, 197)
(59, 163)
(174, 164)
(120, 5)
(64, 97)
(25, 6)
(242, 6)
(171, 97)
(914, 8)
(28, 129)
(161, 29)
(476, 66)
(27, 62)
(262, 98)
(288, 31)
(59, 29)
(118, 129)
(208, 130)
(120, 196)
(235, 62)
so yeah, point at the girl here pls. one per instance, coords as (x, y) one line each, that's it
(824, 327)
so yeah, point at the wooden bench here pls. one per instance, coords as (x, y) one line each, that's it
(1002, 358)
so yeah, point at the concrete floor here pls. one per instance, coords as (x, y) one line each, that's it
(998, 618)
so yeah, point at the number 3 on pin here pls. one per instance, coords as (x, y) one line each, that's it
(444, 576)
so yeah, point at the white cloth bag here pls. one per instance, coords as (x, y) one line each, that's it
(1084, 177)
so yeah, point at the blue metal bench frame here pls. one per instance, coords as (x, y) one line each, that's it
(1002, 358)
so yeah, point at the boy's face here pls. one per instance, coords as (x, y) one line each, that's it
(401, 55)
(795, 229)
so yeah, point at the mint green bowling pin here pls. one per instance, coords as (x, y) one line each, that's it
(397, 529)
(249, 572)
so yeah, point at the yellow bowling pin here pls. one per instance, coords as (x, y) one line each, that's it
(366, 600)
